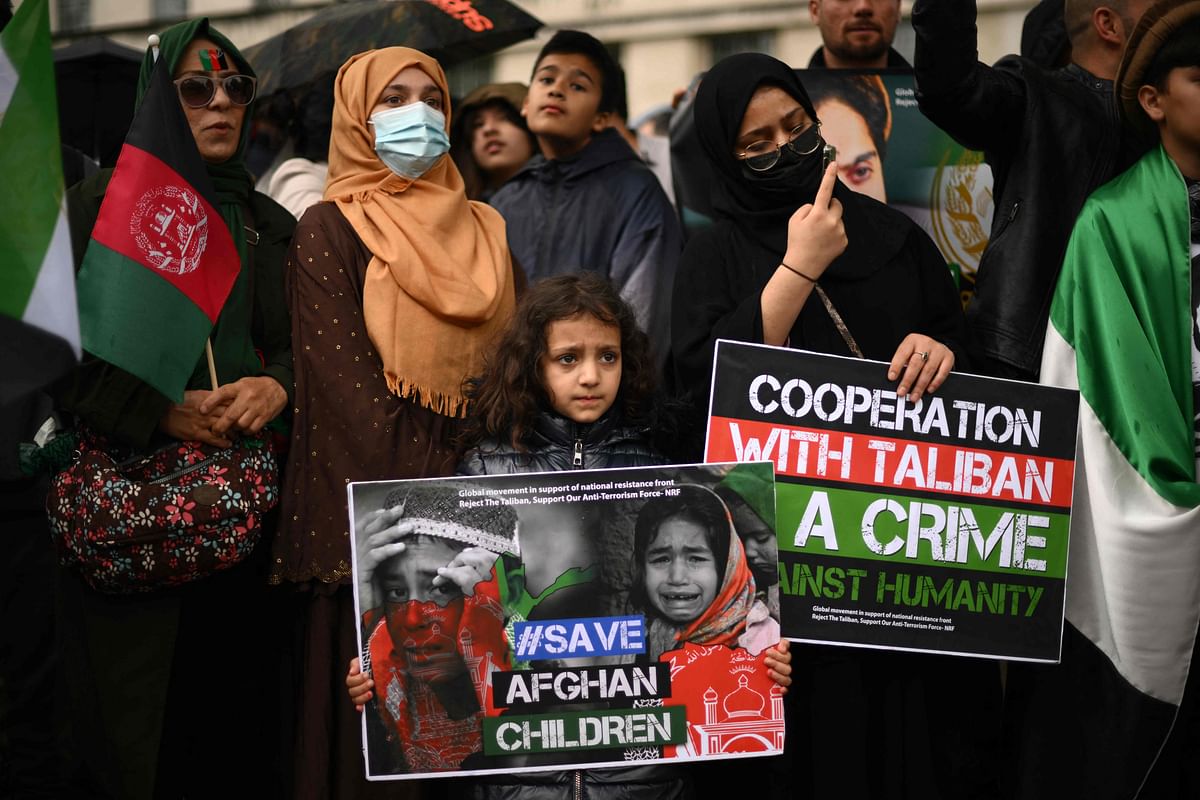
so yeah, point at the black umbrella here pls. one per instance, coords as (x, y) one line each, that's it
(97, 83)
(451, 31)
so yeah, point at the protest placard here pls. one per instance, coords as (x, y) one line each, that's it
(936, 526)
(564, 619)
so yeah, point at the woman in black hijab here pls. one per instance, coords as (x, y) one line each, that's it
(758, 274)
(862, 724)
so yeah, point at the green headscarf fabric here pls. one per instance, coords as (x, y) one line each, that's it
(754, 489)
(233, 348)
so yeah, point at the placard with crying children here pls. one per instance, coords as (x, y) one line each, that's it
(567, 619)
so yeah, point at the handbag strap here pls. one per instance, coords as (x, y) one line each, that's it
(847, 337)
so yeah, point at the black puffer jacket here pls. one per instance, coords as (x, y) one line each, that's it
(556, 444)
(1051, 138)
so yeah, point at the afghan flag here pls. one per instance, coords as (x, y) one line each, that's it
(39, 327)
(1121, 332)
(161, 261)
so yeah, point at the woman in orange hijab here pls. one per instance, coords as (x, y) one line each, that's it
(396, 284)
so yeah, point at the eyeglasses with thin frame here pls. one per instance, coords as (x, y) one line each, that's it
(804, 140)
(197, 91)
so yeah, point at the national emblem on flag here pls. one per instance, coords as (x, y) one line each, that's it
(161, 261)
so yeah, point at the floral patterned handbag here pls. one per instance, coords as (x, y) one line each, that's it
(136, 524)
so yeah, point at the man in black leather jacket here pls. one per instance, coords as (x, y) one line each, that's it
(1051, 138)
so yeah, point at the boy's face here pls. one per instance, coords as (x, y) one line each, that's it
(423, 618)
(564, 99)
(1176, 110)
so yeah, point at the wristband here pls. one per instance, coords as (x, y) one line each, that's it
(784, 264)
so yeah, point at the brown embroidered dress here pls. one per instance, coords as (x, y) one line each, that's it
(397, 285)
(347, 425)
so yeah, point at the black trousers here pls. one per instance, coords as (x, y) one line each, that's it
(31, 727)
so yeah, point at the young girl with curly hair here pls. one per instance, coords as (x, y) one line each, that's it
(571, 384)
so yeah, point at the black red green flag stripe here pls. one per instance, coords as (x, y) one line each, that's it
(161, 261)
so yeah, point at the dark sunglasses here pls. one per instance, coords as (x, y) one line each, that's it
(197, 91)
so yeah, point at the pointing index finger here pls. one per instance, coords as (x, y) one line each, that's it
(825, 192)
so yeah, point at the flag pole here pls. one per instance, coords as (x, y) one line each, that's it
(153, 40)
(212, 365)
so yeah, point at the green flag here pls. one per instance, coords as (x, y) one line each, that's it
(39, 324)
(1121, 328)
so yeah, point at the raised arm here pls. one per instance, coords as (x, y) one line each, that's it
(982, 107)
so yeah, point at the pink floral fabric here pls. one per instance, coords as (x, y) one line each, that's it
(185, 511)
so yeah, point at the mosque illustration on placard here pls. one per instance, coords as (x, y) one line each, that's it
(742, 722)
(733, 706)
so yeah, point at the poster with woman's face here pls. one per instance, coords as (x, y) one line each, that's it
(544, 621)
(888, 150)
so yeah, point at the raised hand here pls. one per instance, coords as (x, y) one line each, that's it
(471, 566)
(816, 233)
(382, 530)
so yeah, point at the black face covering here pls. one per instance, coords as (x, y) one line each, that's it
(791, 173)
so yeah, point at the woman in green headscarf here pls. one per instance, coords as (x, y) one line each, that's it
(254, 320)
(155, 682)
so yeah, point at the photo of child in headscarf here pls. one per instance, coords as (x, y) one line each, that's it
(433, 624)
(750, 497)
(691, 580)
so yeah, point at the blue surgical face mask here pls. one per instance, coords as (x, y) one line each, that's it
(410, 139)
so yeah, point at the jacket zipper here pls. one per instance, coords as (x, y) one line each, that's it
(1012, 215)
(577, 793)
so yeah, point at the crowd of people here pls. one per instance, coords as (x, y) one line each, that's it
(502, 285)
